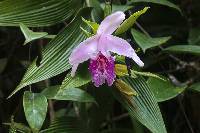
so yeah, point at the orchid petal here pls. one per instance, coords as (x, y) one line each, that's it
(109, 43)
(84, 51)
(111, 23)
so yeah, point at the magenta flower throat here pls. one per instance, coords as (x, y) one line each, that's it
(98, 49)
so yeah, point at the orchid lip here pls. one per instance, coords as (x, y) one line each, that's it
(99, 47)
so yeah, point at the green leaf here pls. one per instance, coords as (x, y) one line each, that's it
(72, 94)
(56, 53)
(35, 108)
(194, 36)
(164, 90)
(146, 74)
(128, 23)
(93, 25)
(195, 87)
(107, 9)
(143, 107)
(30, 35)
(121, 70)
(67, 125)
(161, 2)
(115, 7)
(82, 77)
(190, 49)
(125, 88)
(122, 8)
(17, 127)
(97, 11)
(145, 42)
(37, 13)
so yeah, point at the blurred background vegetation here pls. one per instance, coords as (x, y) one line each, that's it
(181, 65)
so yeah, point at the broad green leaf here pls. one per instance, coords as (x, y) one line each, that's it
(35, 108)
(56, 53)
(36, 13)
(195, 87)
(161, 2)
(128, 23)
(67, 125)
(146, 74)
(145, 42)
(30, 35)
(194, 36)
(97, 11)
(72, 94)
(144, 107)
(190, 49)
(164, 90)
(3, 63)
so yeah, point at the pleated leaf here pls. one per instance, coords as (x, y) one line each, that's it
(143, 107)
(67, 125)
(36, 13)
(56, 53)
(35, 108)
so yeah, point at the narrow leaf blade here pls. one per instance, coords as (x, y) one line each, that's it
(128, 23)
(190, 49)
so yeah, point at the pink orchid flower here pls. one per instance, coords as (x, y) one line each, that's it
(98, 49)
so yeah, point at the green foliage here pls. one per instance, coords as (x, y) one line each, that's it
(35, 108)
(56, 54)
(146, 42)
(194, 36)
(66, 125)
(116, 7)
(146, 74)
(161, 2)
(72, 94)
(195, 87)
(97, 12)
(190, 49)
(143, 107)
(37, 13)
(75, 105)
(128, 23)
(164, 90)
(30, 35)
